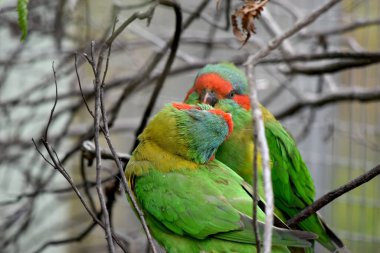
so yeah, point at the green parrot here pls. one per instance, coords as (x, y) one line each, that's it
(225, 87)
(193, 203)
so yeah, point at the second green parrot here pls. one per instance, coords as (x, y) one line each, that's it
(225, 87)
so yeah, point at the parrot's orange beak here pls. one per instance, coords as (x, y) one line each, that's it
(209, 97)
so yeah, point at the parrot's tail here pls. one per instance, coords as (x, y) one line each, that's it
(336, 241)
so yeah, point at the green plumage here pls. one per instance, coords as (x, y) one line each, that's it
(292, 184)
(293, 187)
(192, 204)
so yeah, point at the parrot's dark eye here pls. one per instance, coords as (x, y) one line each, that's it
(231, 94)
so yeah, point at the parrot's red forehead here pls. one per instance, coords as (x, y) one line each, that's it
(221, 87)
(215, 82)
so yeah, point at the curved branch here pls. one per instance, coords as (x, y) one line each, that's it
(352, 94)
(331, 67)
(169, 62)
(330, 196)
(334, 55)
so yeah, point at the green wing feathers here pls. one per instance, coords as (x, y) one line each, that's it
(185, 205)
(292, 181)
(293, 187)
(209, 202)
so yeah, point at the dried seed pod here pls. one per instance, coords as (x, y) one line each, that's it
(250, 10)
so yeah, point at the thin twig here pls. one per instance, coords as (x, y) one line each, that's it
(80, 85)
(42, 155)
(137, 15)
(98, 159)
(108, 56)
(55, 102)
(110, 194)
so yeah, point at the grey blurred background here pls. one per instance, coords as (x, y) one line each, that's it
(339, 140)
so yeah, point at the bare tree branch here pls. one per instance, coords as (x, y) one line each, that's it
(350, 94)
(331, 67)
(332, 55)
(357, 24)
(330, 196)
(99, 189)
(262, 142)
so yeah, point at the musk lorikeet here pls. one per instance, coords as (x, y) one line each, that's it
(192, 202)
(225, 87)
